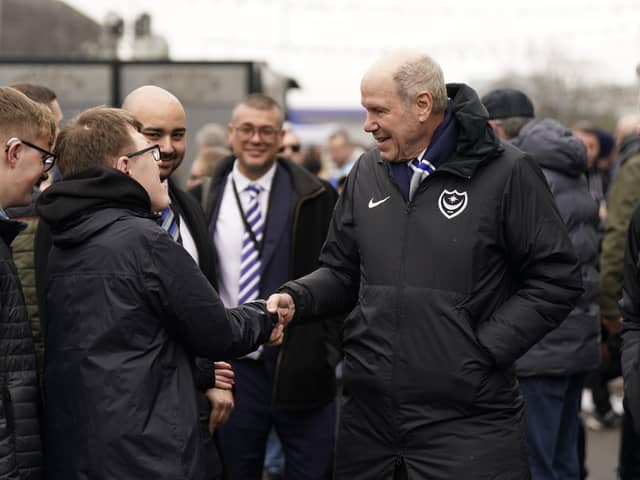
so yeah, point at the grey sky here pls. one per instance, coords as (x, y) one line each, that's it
(327, 44)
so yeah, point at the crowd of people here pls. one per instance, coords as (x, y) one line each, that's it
(431, 307)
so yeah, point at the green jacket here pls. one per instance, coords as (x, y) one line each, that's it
(22, 248)
(623, 197)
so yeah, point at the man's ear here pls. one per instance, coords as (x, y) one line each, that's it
(123, 164)
(424, 103)
(13, 147)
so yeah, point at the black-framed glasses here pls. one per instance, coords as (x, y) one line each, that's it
(295, 148)
(154, 149)
(48, 158)
(247, 130)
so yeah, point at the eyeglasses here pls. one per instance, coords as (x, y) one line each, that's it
(48, 158)
(246, 131)
(154, 149)
(295, 148)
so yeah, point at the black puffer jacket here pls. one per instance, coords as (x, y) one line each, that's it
(20, 449)
(573, 347)
(447, 291)
(128, 308)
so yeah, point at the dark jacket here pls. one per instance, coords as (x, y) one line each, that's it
(623, 198)
(630, 307)
(23, 256)
(305, 377)
(20, 448)
(447, 291)
(128, 308)
(573, 347)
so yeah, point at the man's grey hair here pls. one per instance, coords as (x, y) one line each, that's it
(511, 126)
(419, 74)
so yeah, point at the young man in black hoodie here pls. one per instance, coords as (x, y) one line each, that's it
(128, 309)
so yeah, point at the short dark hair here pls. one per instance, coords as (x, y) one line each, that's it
(95, 137)
(259, 101)
(37, 93)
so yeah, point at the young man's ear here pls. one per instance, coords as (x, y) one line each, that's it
(123, 164)
(12, 149)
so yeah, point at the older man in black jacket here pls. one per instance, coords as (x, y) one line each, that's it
(128, 309)
(448, 249)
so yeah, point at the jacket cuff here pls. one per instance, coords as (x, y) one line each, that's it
(204, 374)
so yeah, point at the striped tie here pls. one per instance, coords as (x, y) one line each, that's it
(250, 265)
(170, 222)
(421, 170)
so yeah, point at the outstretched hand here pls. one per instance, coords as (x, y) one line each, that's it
(282, 304)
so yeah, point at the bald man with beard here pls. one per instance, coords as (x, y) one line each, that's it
(163, 122)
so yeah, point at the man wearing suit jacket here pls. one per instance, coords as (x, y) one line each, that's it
(268, 219)
(163, 122)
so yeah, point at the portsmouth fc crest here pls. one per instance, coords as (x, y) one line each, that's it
(452, 203)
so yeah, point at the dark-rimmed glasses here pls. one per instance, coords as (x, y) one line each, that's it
(154, 149)
(48, 158)
(247, 130)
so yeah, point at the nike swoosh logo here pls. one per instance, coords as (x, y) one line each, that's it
(373, 204)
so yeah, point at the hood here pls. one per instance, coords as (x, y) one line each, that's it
(553, 147)
(477, 142)
(70, 207)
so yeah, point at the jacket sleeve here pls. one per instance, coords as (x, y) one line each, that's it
(193, 310)
(543, 265)
(333, 287)
(630, 307)
(622, 200)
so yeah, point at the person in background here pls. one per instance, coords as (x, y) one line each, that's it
(551, 374)
(163, 121)
(268, 218)
(343, 153)
(27, 132)
(24, 251)
(211, 135)
(623, 198)
(202, 168)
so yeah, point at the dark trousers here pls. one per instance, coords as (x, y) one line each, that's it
(629, 467)
(552, 406)
(307, 436)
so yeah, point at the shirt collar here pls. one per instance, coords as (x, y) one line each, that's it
(3, 214)
(243, 182)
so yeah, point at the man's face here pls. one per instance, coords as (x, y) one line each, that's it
(290, 148)
(197, 175)
(144, 169)
(164, 123)
(340, 150)
(29, 168)
(591, 143)
(398, 133)
(255, 136)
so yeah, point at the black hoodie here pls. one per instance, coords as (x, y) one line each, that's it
(128, 308)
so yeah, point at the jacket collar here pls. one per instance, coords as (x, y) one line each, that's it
(476, 143)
